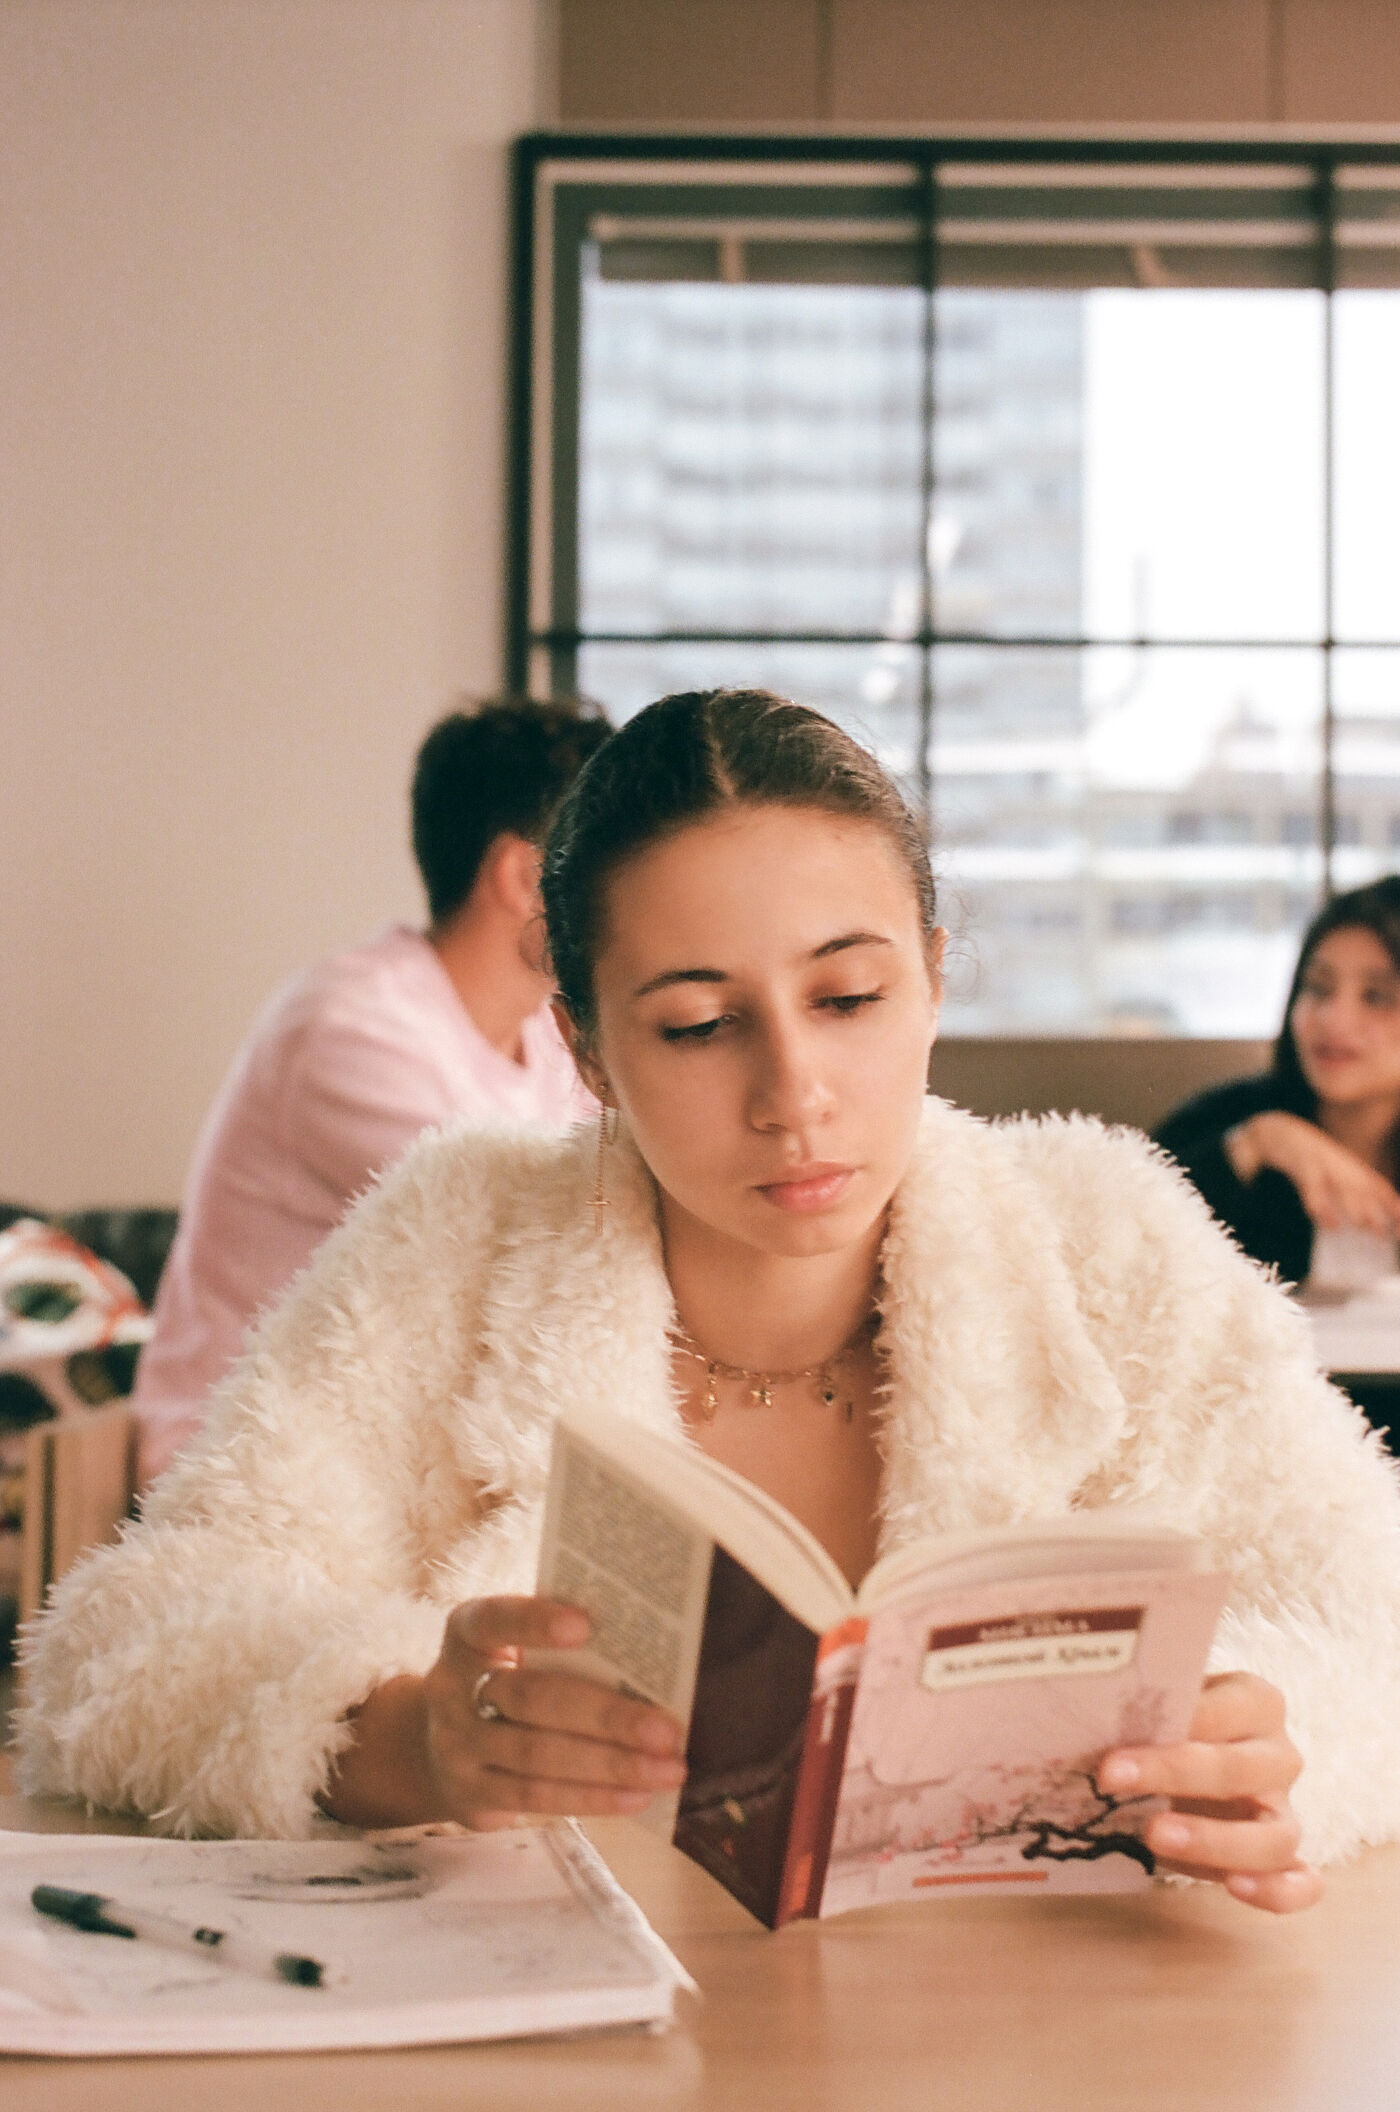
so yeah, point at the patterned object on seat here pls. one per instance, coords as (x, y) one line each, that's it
(71, 1326)
(136, 1241)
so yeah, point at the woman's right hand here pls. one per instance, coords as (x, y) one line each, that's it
(551, 1741)
(561, 1743)
(1334, 1186)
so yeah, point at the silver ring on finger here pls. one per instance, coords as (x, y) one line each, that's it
(488, 1710)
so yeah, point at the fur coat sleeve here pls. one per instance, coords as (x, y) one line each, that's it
(1230, 1430)
(200, 1670)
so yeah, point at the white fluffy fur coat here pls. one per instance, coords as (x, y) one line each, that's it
(1064, 1326)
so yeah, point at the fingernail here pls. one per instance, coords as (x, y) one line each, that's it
(1170, 1833)
(1243, 1887)
(569, 1627)
(633, 1799)
(658, 1736)
(667, 1774)
(1119, 1773)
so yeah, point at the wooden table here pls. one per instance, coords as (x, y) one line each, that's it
(1176, 2001)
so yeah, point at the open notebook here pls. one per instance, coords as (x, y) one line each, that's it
(436, 1939)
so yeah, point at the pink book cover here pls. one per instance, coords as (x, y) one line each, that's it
(978, 1722)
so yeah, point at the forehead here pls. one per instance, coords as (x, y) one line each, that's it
(1352, 950)
(755, 879)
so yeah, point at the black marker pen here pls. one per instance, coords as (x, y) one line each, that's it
(102, 1916)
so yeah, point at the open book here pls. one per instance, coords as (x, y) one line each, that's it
(939, 1728)
(423, 1940)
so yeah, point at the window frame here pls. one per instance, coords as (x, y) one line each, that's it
(543, 631)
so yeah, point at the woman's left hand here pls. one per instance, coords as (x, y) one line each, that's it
(1229, 1818)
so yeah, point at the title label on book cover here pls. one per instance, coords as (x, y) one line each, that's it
(1032, 1646)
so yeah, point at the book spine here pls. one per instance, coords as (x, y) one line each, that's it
(819, 1779)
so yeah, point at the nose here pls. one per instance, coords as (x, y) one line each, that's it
(789, 1088)
(1338, 1008)
(1340, 1020)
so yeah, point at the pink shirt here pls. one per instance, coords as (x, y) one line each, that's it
(345, 1067)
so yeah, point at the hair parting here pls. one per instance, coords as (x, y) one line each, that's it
(682, 760)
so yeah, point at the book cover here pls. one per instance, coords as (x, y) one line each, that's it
(977, 1722)
(748, 1727)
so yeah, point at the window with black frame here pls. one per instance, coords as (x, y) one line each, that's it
(1067, 478)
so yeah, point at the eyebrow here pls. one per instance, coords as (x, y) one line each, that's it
(671, 976)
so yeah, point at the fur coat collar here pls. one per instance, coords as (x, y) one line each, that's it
(998, 1402)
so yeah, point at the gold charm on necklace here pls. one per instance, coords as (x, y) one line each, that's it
(761, 1385)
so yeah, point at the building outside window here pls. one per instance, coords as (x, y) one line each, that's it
(1068, 479)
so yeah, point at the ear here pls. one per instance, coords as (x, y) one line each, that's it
(583, 1053)
(513, 865)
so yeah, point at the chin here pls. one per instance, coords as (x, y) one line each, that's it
(1338, 1085)
(773, 1232)
(798, 1240)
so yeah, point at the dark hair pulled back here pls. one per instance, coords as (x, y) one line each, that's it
(681, 760)
(1375, 908)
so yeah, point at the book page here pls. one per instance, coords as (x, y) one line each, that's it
(635, 1563)
(1076, 1544)
(980, 1716)
(676, 1477)
(436, 1939)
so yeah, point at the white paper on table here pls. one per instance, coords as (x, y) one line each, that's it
(1349, 1261)
(489, 1935)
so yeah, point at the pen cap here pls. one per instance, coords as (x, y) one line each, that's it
(81, 1910)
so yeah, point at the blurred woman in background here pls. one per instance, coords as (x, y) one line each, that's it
(1309, 1147)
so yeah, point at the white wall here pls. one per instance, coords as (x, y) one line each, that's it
(252, 370)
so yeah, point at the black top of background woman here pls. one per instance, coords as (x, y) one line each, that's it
(1266, 1215)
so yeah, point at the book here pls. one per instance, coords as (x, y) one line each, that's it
(432, 1938)
(936, 1730)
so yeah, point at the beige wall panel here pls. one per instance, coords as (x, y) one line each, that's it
(641, 62)
(252, 375)
(1138, 1082)
(1339, 61)
(1055, 61)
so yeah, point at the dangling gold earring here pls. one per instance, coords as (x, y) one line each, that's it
(600, 1198)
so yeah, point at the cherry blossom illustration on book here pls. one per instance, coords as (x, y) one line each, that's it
(975, 1735)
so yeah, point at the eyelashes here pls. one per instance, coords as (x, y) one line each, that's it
(703, 1030)
(851, 1002)
(844, 1005)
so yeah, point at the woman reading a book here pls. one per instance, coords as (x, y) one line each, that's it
(896, 1319)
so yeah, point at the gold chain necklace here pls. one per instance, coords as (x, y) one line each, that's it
(761, 1384)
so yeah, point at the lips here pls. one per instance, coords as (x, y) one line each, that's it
(808, 1189)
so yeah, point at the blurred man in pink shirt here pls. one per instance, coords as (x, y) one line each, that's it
(353, 1058)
